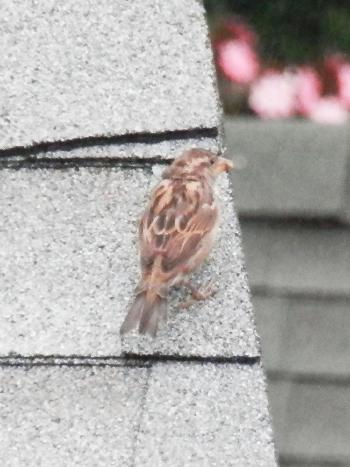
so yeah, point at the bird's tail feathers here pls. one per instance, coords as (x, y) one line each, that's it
(147, 311)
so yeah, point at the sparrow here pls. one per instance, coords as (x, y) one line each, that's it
(176, 233)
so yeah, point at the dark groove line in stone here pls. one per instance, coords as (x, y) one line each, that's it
(155, 358)
(78, 162)
(129, 360)
(131, 138)
(33, 363)
(68, 361)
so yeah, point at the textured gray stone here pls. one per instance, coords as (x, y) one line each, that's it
(271, 320)
(316, 340)
(69, 416)
(311, 259)
(278, 391)
(68, 248)
(300, 258)
(304, 335)
(318, 422)
(289, 168)
(256, 248)
(346, 201)
(79, 69)
(68, 252)
(207, 415)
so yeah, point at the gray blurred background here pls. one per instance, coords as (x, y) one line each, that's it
(292, 194)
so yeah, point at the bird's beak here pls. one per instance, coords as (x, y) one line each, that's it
(222, 165)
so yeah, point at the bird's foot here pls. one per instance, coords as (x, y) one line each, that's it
(200, 294)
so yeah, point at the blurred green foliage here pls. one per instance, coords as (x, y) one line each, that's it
(290, 31)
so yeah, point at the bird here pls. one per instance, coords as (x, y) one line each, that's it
(176, 234)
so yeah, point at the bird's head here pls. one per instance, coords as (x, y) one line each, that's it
(198, 163)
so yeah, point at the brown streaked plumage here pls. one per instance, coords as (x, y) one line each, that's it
(176, 234)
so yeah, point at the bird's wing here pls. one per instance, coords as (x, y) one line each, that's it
(180, 215)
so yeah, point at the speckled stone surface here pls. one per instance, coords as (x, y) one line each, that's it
(205, 415)
(173, 414)
(81, 69)
(51, 416)
(125, 80)
(68, 250)
(308, 162)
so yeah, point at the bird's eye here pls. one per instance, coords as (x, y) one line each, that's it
(212, 160)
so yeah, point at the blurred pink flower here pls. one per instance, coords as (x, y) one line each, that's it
(238, 61)
(338, 71)
(343, 81)
(273, 95)
(241, 31)
(308, 89)
(330, 110)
